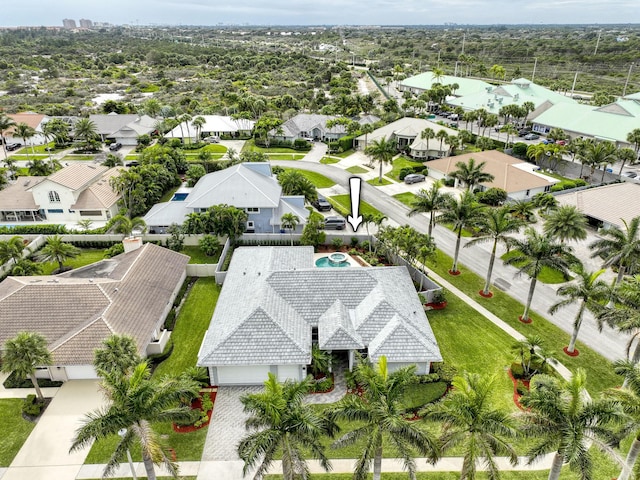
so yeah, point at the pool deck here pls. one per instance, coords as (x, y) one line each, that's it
(352, 262)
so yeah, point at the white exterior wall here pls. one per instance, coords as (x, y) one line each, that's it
(522, 195)
(67, 198)
(81, 372)
(242, 375)
(290, 372)
(422, 368)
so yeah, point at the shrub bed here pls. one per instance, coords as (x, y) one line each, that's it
(13, 381)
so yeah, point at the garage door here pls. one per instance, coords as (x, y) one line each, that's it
(245, 375)
(81, 372)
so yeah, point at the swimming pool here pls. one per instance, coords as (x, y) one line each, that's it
(179, 197)
(334, 260)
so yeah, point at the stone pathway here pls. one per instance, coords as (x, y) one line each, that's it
(339, 390)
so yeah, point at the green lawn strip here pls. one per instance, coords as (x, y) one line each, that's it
(213, 148)
(320, 181)
(157, 478)
(400, 163)
(285, 156)
(191, 158)
(73, 158)
(344, 154)
(43, 148)
(547, 275)
(465, 233)
(168, 195)
(198, 256)
(599, 372)
(87, 256)
(377, 183)
(191, 325)
(408, 198)
(133, 156)
(329, 160)
(250, 146)
(357, 169)
(25, 157)
(342, 204)
(14, 429)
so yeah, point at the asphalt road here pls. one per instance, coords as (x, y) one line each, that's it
(608, 343)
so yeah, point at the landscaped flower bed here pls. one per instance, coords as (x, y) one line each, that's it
(204, 404)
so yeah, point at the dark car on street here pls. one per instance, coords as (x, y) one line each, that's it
(321, 204)
(13, 146)
(414, 178)
(114, 147)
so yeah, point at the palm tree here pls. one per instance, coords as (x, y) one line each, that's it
(198, 123)
(23, 354)
(442, 135)
(533, 355)
(290, 221)
(135, 402)
(534, 253)
(566, 223)
(56, 250)
(470, 421)
(624, 156)
(510, 130)
(5, 124)
(618, 247)
(381, 151)
(598, 154)
(119, 353)
(38, 168)
(366, 129)
(463, 213)
(633, 137)
(25, 132)
(293, 182)
(280, 421)
(562, 417)
(427, 134)
(85, 131)
(11, 249)
(126, 226)
(471, 173)
(430, 201)
(628, 398)
(381, 416)
(590, 292)
(495, 225)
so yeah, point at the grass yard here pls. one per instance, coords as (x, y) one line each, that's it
(344, 154)
(286, 156)
(14, 429)
(250, 146)
(400, 163)
(198, 256)
(377, 183)
(73, 158)
(342, 204)
(87, 256)
(194, 158)
(191, 324)
(43, 148)
(329, 160)
(158, 478)
(357, 169)
(23, 157)
(599, 372)
(168, 195)
(408, 198)
(547, 275)
(318, 180)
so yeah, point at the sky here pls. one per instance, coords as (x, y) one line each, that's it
(326, 12)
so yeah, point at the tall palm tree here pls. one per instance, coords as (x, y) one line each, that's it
(295, 183)
(125, 225)
(462, 213)
(560, 416)
(442, 135)
(5, 124)
(135, 402)
(198, 123)
(85, 131)
(473, 423)
(598, 154)
(628, 398)
(365, 130)
(280, 421)
(56, 250)
(624, 156)
(381, 151)
(25, 132)
(427, 134)
(534, 253)
(119, 353)
(290, 221)
(471, 173)
(23, 354)
(11, 249)
(633, 137)
(495, 225)
(566, 223)
(430, 201)
(618, 247)
(590, 292)
(380, 414)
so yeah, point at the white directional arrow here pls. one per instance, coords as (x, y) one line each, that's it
(355, 219)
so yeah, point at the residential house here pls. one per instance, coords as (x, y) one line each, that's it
(521, 180)
(77, 192)
(291, 305)
(250, 186)
(34, 120)
(214, 125)
(425, 81)
(130, 294)
(406, 132)
(125, 128)
(314, 126)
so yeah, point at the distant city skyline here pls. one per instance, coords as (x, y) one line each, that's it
(330, 12)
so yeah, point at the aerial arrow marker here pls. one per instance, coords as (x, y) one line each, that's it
(355, 219)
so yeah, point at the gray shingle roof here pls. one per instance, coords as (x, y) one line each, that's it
(285, 296)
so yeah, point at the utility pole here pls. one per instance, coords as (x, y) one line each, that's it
(597, 42)
(624, 91)
(575, 78)
(463, 37)
(535, 64)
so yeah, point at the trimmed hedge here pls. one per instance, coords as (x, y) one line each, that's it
(13, 381)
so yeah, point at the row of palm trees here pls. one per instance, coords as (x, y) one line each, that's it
(559, 418)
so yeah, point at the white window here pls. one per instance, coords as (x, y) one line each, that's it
(250, 226)
(252, 210)
(53, 196)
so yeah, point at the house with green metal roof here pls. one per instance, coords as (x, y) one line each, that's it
(425, 81)
(519, 91)
(611, 122)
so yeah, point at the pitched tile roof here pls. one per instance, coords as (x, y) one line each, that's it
(76, 310)
(18, 196)
(352, 308)
(99, 195)
(32, 119)
(78, 175)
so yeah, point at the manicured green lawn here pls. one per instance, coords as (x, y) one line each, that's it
(547, 275)
(43, 148)
(71, 158)
(250, 146)
(14, 429)
(344, 154)
(168, 195)
(198, 256)
(377, 183)
(23, 157)
(599, 372)
(194, 158)
(408, 198)
(357, 169)
(213, 148)
(87, 256)
(191, 325)
(400, 163)
(329, 160)
(286, 156)
(320, 181)
(342, 204)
